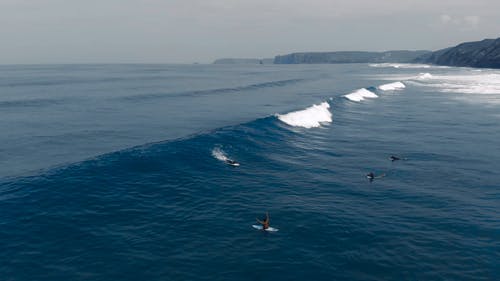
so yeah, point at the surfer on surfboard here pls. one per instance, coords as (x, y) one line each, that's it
(371, 176)
(396, 158)
(265, 222)
(232, 162)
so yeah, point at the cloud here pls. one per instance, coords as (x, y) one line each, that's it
(445, 19)
(471, 20)
(462, 22)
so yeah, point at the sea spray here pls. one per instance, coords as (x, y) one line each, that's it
(219, 154)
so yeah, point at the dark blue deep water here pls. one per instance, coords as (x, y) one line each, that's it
(116, 172)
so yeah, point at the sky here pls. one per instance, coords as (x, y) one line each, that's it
(188, 31)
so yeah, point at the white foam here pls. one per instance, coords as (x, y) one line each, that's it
(474, 83)
(457, 80)
(424, 76)
(219, 154)
(308, 118)
(360, 95)
(392, 86)
(401, 65)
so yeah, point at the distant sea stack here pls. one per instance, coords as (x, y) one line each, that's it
(350, 57)
(243, 61)
(484, 54)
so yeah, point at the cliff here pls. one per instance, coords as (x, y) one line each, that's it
(349, 57)
(485, 53)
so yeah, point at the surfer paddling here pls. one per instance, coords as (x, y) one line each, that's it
(232, 162)
(264, 225)
(371, 176)
(265, 222)
(396, 158)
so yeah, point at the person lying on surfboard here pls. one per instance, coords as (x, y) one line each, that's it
(265, 222)
(232, 162)
(371, 176)
(396, 158)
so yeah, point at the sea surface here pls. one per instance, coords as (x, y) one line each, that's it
(119, 172)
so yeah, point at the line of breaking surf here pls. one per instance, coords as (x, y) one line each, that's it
(318, 114)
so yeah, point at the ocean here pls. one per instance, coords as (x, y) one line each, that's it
(120, 172)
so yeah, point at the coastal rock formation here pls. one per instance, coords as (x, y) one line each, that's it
(349, 57)
(485, 53)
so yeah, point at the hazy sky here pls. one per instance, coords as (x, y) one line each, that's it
(186, 31)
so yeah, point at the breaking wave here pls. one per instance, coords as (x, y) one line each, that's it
(308, 118)
(476, 83)
(392, 86)
(459, 81)
(360, 95)
(424, 76)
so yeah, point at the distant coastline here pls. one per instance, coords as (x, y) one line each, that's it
(243, 61)
(481, 54)
(349, 57)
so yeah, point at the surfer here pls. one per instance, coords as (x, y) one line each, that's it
(265, 222)
(232, 162)
(394, 158)
(371, 176)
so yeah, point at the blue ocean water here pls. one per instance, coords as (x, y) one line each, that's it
(117, 172)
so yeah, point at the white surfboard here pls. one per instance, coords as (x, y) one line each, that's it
(231, 162)
(269, 229)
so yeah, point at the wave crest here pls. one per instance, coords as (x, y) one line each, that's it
(392, 86)
(360, 95)
(308, 118)
(424, 76)
(251, 87)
